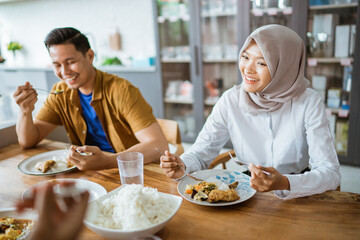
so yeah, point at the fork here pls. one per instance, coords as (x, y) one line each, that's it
(196, 179)
(246, 164)
(68, 146)
(55, 92)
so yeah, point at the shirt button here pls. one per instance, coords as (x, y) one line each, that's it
(84, 132)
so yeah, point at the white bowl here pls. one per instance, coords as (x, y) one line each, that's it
(93, 209)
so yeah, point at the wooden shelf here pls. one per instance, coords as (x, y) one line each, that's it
(175, 60)
(327, 60)
(179, 101)
(342, 113)
(220, 14)
(219, 60)
(162, 19)
(271, 11)
(333, 6)
(210, 102)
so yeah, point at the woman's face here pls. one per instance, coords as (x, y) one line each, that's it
(254, 70)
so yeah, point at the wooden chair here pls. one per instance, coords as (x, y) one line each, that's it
(222, 159)
(171, 131)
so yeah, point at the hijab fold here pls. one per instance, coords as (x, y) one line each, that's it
(284, 54)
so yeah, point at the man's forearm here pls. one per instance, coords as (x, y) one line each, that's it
(26, 130)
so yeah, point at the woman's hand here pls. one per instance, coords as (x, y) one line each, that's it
(54, 221)
(263, 183)
(170, 164)
(95, 159)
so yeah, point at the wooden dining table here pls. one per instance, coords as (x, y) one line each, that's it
(330, 215)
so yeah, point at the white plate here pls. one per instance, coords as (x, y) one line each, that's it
(96, 190)
(243, 189)
(11, 212)
(26, 214)
(27, 166)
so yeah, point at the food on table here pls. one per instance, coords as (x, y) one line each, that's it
(11, 228)
(224, 196)
(233, 185)
(215, 191)
(134, 207)
(45, 166)
(53, 165)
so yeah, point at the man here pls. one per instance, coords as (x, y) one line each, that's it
(99, 110)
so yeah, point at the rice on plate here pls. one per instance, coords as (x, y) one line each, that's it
(131, 210)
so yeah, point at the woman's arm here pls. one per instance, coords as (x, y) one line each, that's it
(324, 174)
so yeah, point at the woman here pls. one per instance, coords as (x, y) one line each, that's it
(273, 119)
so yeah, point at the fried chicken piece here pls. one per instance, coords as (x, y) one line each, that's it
(233, 185)
(225, 196)
(45, 166)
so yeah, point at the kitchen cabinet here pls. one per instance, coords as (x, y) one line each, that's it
(332, 54)
(11, 78)
(146, 79)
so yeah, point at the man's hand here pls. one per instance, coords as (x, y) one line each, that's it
(169, 163)
(263, 183)
(25, 96)
(94, 159)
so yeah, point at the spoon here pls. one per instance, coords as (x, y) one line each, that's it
(68, 146)
(240, 163)
(58, 91)
(197, 179)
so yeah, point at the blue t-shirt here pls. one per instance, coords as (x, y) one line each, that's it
(95, 135)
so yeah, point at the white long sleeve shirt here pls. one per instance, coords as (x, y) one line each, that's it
(289, 139)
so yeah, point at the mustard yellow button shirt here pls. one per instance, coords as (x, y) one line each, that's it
(119, 105)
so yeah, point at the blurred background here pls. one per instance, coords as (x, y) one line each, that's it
(182, 54)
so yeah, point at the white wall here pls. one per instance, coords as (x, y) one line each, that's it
(29, 21)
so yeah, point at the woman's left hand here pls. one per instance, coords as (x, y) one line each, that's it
(263, 183)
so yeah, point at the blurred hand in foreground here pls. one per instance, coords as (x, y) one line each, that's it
(56, 221)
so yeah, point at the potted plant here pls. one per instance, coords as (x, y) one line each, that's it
(14, 46)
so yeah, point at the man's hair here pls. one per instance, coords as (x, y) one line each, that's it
(67, 35)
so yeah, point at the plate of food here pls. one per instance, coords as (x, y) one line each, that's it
(47, 163)
(220, 187)
(95, 190)
(15, 225)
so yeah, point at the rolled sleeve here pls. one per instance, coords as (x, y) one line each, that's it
(47, 112)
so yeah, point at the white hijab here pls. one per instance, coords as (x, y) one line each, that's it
(284, 54)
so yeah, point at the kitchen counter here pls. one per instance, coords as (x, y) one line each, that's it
(102, 68)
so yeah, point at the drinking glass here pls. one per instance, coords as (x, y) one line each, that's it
(131, 167)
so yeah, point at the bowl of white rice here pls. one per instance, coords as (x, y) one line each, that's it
(131, 211)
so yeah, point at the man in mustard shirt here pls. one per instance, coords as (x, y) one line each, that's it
(100, 112)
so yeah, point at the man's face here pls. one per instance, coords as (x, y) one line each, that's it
(71, 65)
(254, 70)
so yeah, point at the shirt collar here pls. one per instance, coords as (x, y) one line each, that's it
(98, 86)
(97, 93)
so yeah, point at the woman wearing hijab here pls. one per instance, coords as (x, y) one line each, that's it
(275, 122)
